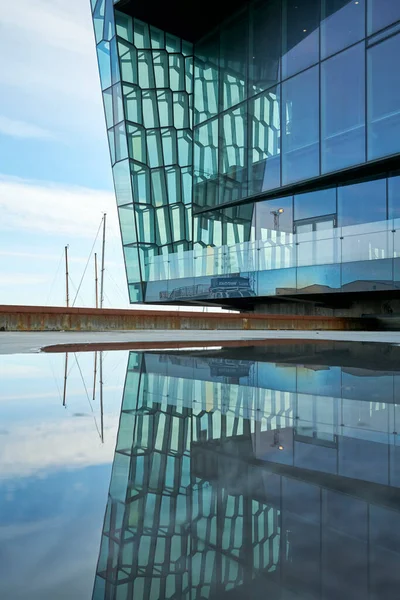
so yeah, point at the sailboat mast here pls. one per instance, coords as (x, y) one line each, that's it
(102, 262)
(96, 280)
(66, 276)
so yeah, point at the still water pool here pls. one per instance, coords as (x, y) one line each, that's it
(240, 473)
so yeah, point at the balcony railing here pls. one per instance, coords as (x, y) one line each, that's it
(281, 250)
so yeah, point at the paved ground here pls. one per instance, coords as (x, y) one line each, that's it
(27, 342)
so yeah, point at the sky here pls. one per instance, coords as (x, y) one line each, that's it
(55, 172)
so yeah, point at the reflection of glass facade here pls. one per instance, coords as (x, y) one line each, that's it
(229, 141)
(248, 475)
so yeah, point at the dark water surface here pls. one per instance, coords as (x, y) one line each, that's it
(248, 473)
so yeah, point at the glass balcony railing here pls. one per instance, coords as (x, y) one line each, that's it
(281, 250)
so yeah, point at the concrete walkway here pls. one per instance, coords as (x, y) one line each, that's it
(28, 342)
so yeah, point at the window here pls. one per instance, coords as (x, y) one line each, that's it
(343, 109)
(343, 24)
(394, 196)
(315, 204)
(300, 35)
(300, 135)
(233, 59)
(265, 150)
(382, 13)
(363, 202)
(384, 98)
(266, 45)
(233, 178)
(273, 215)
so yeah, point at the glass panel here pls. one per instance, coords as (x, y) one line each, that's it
(384, 98)
(206, 77)
(122, 182)
(206, 164)
(128, 62)
(315, 204)
(136, 142)
(160, 61)
(133, 104)
(300, 35)
(123, 25)
(233, 59)
(266, 45)
(273, 215)
(394, 196)
(185, 147)
(103, 55)
(343, 109)
(169, 146)
(343, 24)
(266, 142)
(362, 202)
(233, 183)
(176, 72)
(145, 69)
(126, 219)
(382, 13)
(300, 127)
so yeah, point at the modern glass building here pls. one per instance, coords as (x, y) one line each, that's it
(255, 149)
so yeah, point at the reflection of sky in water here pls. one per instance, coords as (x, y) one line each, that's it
(54, 472)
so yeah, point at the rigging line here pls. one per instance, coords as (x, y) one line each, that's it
(55, 276)
(87, 394)
(74, 286)
(117, 286)
(88, 260)
(55, 379)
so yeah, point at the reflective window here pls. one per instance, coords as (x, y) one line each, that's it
(206, 79)
(206, 163)
(300, 127)
(363, 202)
(384, 98)
(265, 150)
(274, 215)
(394, 196)
(300, 35)
(343, 109)
(343, 23)
(233, 180)
(266, 45)
(382, 13)
(233, 59)
(315, 204)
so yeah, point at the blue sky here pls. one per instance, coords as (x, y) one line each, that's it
(55, 174)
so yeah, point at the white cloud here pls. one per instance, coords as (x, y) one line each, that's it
(48, 68)
(22, 279)
(44, 447)
(20, 129)
(55, 209)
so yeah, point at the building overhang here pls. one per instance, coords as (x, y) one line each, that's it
(184, 19)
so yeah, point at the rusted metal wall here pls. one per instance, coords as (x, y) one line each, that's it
(45, 318)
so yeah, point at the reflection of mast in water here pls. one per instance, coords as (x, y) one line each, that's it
(101, 432)
(65, 380)
(101, 399)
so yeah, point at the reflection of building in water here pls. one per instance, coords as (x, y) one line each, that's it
(224, 490)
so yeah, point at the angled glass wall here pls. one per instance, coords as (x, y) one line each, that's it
(147, 81)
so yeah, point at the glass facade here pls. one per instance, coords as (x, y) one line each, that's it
(225, 142)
